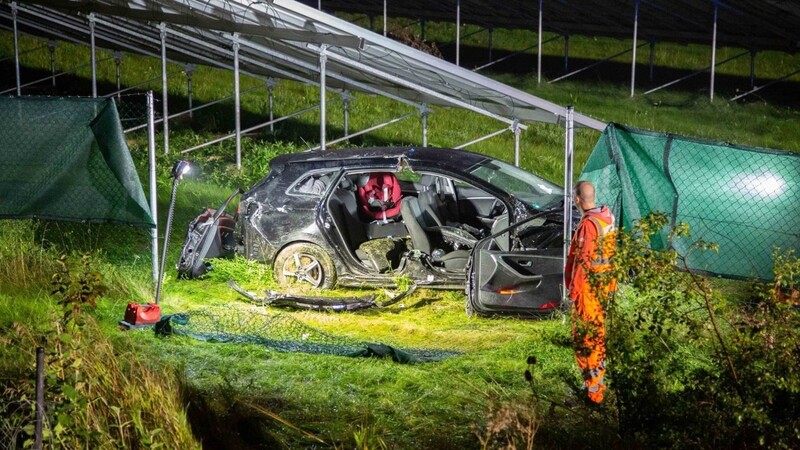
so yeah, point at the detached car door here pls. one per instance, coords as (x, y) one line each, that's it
(516, 281)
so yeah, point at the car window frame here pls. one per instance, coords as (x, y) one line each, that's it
(332, 172)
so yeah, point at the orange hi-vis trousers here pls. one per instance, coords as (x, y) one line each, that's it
(590, 252)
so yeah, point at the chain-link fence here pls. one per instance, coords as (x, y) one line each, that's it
(743, 199)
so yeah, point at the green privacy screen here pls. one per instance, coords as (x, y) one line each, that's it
(747, 200)
(66, 159)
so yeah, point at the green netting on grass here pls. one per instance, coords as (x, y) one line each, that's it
(284, 333)
(743, 199)
(67, 159)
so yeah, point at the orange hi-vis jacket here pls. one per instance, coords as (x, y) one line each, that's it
(591, 250)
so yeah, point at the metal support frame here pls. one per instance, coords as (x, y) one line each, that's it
(270, 83)
(491, 30)
(424, 111)
(496, 61)
(237, 107)
(117, 63)
(713, 51)
(685, 77)
(189, 70)
(539, 50)
(365, 131)
(249, 130)
(595, 64)
(51, 46)
(635, 37)
(93, 51)
(458, 32)
(66, 72)
(323, 59)
(569, 158)
(515, 129)
(196, 108)
(346, 98)
(756, 89)
(421, 89)
(151, 158)
(385, 16)
(16, 47)
(164, 92)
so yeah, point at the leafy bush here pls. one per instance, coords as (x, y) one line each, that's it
(690, 367)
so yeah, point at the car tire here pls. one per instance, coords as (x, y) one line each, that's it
(305, 263)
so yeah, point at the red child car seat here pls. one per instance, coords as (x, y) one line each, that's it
(379, 197)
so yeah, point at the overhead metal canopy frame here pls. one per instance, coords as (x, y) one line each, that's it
(283, 39)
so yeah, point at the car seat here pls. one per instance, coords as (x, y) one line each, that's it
(455, 260)
(379, 196)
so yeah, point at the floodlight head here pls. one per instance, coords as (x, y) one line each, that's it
(180, 169)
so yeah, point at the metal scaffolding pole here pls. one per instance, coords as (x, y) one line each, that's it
(237, 110)
(490, 43)
(424, 111)
(164, 94)
(516, 130)
(151, 156)
(51, 46)
(568, 162)
(323, 59)
(713, 51)
(16, 47)
(483, 138)
(189, 92)
(539, 51)
(346, 97)
(117, 63)
(93, 55)
(566, 52)
(271, 88)
(635, 36)
(458, 32)
(385, 16)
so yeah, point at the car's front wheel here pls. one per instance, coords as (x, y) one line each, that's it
(305, 263)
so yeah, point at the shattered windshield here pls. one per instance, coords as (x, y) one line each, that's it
(527, 187)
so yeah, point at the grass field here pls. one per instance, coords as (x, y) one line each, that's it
(246, 396)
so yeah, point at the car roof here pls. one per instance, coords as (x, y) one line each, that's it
(456, 159)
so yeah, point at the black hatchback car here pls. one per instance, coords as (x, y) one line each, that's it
(442, 218)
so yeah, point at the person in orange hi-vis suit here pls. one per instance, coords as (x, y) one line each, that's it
(590, 251)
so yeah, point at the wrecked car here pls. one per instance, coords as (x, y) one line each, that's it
(440, 218)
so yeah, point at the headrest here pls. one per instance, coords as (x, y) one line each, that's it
(363, 179)
(347, 184)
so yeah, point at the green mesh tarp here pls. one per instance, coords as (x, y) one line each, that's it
(66, 159)
(283, 333)
(743, 199)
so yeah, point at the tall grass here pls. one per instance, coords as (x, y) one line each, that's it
(98, 394)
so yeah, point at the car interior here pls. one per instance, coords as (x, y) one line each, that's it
(384, 217)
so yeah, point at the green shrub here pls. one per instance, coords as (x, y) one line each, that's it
(690, 368)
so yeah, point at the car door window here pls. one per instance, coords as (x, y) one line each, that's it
(311, 184)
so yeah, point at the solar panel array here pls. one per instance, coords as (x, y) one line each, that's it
(750, 24)
(283, 39)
